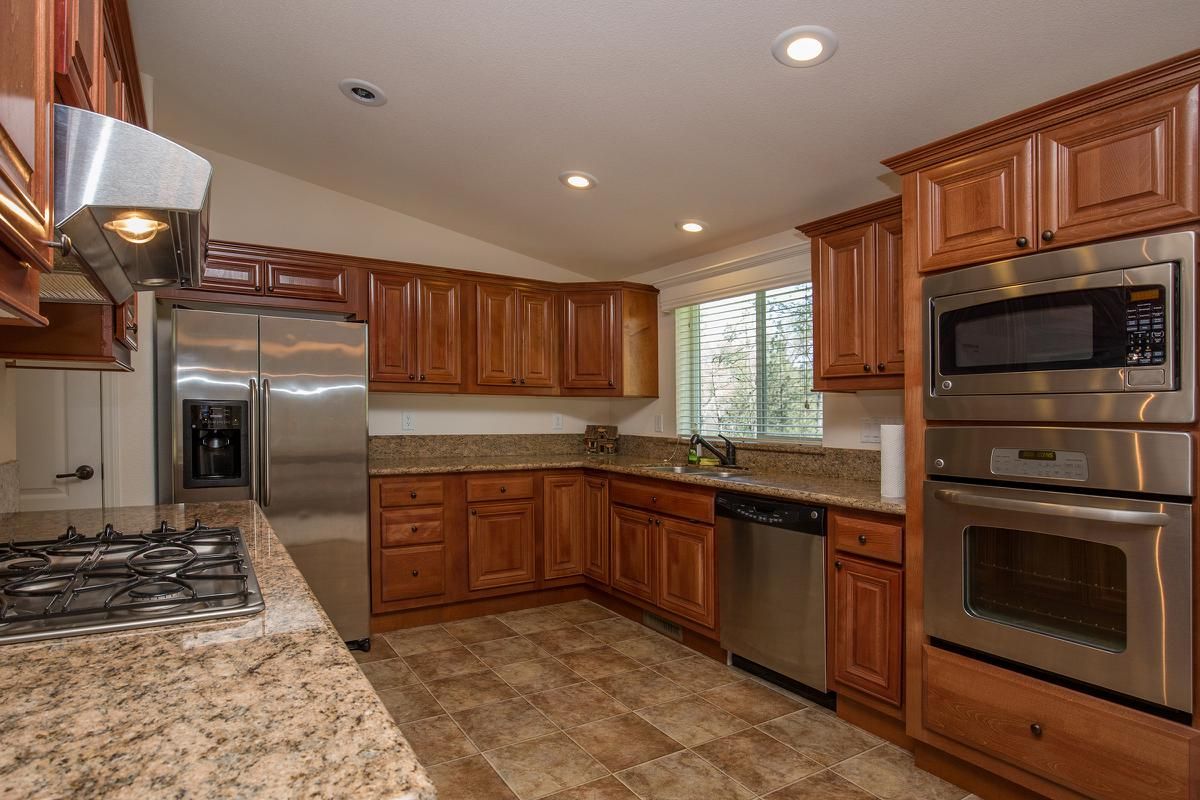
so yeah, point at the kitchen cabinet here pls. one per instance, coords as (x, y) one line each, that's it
(858, 317)
(591, 355)
(78, 335)
(868, 628)
(610, 342)
(415, 330)
(686, 565)
(227, 272)
(562, 525)
(595, 529)
(77, 51)
(322, 282)
(409, 548)
(410, 573)
(633, 550)
(243, 274)
(500, 544)
(126, 320)
(515, 337)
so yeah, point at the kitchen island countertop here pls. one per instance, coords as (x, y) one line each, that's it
(271, 705)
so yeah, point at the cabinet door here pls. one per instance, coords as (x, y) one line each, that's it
(500, 544)
(590, 352)
(227, 273)
(562, 525)
(977, 208)
(307, 281)
(1120, 170)
(595, 528)
(888, 319)
(496, 335)
(632, 552)
(536, 351)
(392, 328)
(868, 625)
(439, 335)
(77, 48)
(111, 97)
(126, 331)
(410, 572)
(845, 303)
(687, 581)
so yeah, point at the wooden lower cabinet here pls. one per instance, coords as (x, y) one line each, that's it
(633, 548)
(595, 529)
(868, 628)
(562, 525)
(410, 572)
(687, 577)
(500, 545)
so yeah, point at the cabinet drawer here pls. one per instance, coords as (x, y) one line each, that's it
(696, 506)
(231, 274)
(409, 572)
(1094, 747)
(411, 492)
(403, 526)
(505, 487)
(868, 538)
(306, 281)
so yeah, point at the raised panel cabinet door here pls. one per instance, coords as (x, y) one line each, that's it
(868, 626)
(496, 335)
(410, 572)
(889, 308)
(229, 273)
(845, 303)
(590, 354)
(633, 536)
(111, 99)
(536, 351)
(1120, 170)
(76, 51)
(392, 327)
(500, 545)
(595, 528)
(977, 208)
(687, 580)
(562, 525)
(126, 330)
(307, 281)
(439, 332)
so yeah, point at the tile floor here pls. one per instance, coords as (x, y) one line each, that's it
(572, 702)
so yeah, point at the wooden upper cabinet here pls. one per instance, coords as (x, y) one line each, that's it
(562, 525)
(111, 92)
(500, 545)
(393, 302)
(307, 281)
(415, 330)
(633, 552)
(977, 208)
(439, 331)
(496, 335)
(889, 309)
(25, 156)
(127, 322)
(231, 273)
(868, 628)
(687, 564)
(1129, 168)
(537, 352)
(77, 51)
(847, 302)
(590, 346)
(595, 528)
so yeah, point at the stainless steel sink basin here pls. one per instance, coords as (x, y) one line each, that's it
(712, 472)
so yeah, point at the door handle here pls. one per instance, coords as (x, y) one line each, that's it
(1117, 516)
(254, 446)
(266, 442)
(83, 472)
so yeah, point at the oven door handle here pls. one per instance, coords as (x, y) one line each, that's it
(1117, 516)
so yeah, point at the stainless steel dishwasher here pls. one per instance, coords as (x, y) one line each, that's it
(771, 562)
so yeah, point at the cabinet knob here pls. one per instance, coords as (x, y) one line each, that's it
(258, 287)
(653, 499)
(474, 512)
(270, 288)
(1022, 241)
(414, 528)
(1047, 236)
(610, 383)
(1036, 730)
(862, 538)
(503, 489)
(881, 367)
(522, 381)
(658, 522)
(411, 376)
(514, 380)
(866, 367)
(422, 376)
(413, 495)
(416, 572)
(837, 565)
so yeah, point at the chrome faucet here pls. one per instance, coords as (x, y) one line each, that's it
(726, 459)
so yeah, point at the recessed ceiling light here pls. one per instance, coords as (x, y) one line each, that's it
(691, 226)
(363, 92)
(804, 46)
(577, 180)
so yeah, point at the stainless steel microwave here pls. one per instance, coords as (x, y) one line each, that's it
(1100, 333)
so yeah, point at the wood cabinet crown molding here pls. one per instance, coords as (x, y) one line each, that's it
(848, 219)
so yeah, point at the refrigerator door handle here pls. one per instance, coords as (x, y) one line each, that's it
(254, 443)
(266, 442)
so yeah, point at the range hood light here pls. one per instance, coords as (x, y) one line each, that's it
(135, 227)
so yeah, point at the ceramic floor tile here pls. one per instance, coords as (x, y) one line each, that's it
(825, 785)
(614, 629)
(641, 688)
(757, 761)
(532, 620)
(692, 720)
(438, 664)
(437, 739)
(408, 703)
(540, 767)
(380, 649)
(563, 640)
(468, 779)
(578, 611)
(411, 641)
(682, 776)
(697, 673)
(528, 677)
(822, 737)
(478, 629)
(624, 741)
(604, 789)
(653, 649)
(388, 674)
(506, 722)
(890, 773)
(751, 701)
(499, 652)
(579, 704)
(466, 691)
(598, 662)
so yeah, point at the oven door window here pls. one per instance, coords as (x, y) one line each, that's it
(1080, 329)
(1071, 589)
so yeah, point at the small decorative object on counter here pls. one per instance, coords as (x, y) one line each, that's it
(600, 440)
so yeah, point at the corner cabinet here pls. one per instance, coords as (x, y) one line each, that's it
(610, 342)
(858, 316)
(416, 335)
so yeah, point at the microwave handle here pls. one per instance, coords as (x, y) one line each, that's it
(1118, 516)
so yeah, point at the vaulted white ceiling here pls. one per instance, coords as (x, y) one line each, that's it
(676, 106)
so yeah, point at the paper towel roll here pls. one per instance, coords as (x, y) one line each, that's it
(891, 458)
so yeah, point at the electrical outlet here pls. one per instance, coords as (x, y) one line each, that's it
(658, 423)
(556, 422)
(406, 421)
(869, 433)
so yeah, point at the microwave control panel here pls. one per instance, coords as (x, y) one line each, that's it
(1067, 465)
(1146, 326)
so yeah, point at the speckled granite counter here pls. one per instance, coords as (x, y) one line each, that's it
(843, 492)
(268, 706)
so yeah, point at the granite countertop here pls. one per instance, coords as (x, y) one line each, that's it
(271, 705)
(842, 492)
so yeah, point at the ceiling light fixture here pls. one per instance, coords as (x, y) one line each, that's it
(364, 92)
(691, 226)
(575, 179)
(804, 46)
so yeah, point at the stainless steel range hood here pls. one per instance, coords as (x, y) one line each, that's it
(133, 204)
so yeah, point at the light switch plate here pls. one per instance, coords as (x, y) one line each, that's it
(869, 433)
(406, 421)
(556, 422)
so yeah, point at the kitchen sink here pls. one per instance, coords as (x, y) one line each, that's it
(712, 472)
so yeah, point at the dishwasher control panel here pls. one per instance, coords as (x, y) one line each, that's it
(777, 514)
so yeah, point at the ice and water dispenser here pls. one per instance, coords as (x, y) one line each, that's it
(216, 443)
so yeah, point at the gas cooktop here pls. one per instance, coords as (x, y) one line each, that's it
(110, 581)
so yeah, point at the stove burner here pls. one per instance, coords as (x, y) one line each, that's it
(159, 590)
(161, 559)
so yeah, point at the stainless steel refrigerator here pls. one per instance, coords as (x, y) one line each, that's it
(274, 408)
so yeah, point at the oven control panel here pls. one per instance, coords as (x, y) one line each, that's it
(1067, 465)
(1146, 326)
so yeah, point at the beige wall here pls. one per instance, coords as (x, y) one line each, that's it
(8, 416)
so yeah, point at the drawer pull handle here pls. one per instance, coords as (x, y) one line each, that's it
(837, 565)
(503, 489)
(413, 495)
(862, 538)
(653, 499)
(416, 572)
(1036, 730)
(414, 528)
